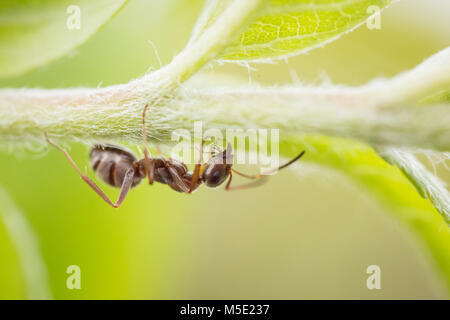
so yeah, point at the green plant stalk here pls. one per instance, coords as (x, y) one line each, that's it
(382, 112)
(85, 114)
(196, 54)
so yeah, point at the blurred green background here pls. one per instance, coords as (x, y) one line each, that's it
(303, 235)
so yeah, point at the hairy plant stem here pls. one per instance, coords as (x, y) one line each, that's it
(381, 112)
(111, 114)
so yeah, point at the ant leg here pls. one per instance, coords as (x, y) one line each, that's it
(196, 173)
(149, 165)
(227, 187)
(178, 180)
(126, 186)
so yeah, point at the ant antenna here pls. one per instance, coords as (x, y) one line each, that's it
(271, 171)
(259, 178)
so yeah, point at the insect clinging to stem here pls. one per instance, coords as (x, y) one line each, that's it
(120, 168)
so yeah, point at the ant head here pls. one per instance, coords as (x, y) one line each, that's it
(218, 168)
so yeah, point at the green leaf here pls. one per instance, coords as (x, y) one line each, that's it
(386, 182)
(288, 27)
(32, 33)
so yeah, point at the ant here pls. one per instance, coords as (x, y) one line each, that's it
(120, 168)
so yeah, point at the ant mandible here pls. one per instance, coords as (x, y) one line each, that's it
(120, 168)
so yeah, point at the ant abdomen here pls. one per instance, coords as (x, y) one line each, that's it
(111, 163)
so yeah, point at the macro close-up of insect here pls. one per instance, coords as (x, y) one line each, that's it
(180, 117)
(120, 168)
